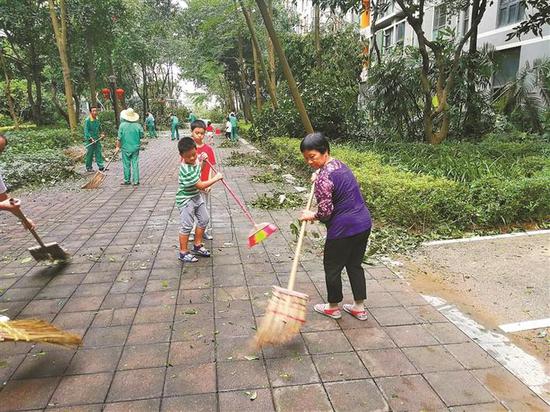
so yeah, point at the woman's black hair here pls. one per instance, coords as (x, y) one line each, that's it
(315, 141)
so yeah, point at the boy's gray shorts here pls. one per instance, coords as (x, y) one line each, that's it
(195, 208)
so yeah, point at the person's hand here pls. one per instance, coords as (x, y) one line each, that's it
(218, 176)
(307, 215)
(203, 156)
(92, 141)
(102, 135)
(208, 189)
(29, 224)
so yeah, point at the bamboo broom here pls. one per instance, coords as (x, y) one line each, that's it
(36, 330)
(286, 311)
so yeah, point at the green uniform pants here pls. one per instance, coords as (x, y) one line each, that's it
(151, 132)
(234, 135)
(91, 151)
(175, 133)
(130, 164)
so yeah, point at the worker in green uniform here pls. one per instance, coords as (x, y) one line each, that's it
(150, 124)
(174, 123)
(130, 133)
(92, 135)
(234, 125)
(191, 117)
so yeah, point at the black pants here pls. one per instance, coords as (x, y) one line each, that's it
(345, 253)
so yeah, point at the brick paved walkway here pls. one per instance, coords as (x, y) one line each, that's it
(160, 336)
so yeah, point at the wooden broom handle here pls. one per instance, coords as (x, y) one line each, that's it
(19, 213)
(296, 260)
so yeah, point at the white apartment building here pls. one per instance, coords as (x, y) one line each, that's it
(499, 19)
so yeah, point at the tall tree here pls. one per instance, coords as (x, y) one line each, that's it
(59, 24)
(285, 66)
(9, 97)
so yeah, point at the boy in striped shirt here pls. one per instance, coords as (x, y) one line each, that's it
(189, 200)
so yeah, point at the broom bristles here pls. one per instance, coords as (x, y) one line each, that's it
(261, 232)
(284, 316)
(36, 330)
(95, 181)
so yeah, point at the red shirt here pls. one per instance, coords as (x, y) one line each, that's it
(205, 171)
(209, 128)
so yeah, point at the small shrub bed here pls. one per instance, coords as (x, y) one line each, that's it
(36, 156)
(422, 203)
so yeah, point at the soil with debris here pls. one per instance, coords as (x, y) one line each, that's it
(494, 281)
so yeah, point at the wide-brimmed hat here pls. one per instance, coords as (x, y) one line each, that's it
(129, 115)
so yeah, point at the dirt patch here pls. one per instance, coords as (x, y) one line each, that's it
(494, 281)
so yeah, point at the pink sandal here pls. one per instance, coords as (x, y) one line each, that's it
(323, 309)
(357, 314)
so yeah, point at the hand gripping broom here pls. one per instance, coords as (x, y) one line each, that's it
(35, 330)
(286, 311)
(260, 231)
(99, 176)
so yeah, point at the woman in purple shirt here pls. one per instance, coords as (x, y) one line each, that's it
(342, 209)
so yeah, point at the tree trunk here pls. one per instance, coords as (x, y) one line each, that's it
(92, 77)
(56, 103)
(245, 98)
(317, 34)
(257, 79)
(60, 31)
(145, 91)
(271, 54)
(256, 44)
(471, 118)
(36, 71)
(9, 97)
(286, 68)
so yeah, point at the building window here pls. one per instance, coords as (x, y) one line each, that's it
(400, 33)
(388, 38)
(509, 12)
(440, 19)
(507, 66)
(465, 20)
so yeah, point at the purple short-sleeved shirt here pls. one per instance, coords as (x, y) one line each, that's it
(340, 203)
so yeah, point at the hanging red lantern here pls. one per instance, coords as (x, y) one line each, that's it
(119, 94)
(106, 93)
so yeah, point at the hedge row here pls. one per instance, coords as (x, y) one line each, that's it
(424, 203)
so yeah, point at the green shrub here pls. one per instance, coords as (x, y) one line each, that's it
(31, 141)
(108, 124)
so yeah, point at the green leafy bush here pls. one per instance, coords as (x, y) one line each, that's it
(34, 140)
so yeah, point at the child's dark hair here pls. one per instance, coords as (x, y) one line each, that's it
(198, 124)
(185, 144)
(315, 141)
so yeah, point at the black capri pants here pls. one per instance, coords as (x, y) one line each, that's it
(346, 253)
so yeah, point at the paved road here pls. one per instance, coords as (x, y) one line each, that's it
(162, 336)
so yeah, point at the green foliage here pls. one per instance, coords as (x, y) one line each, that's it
(268, 177)
(36, 157)
(278, 200)
(244, 159)
(108, 124)
(423, 203)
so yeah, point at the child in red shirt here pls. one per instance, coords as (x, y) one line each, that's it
(197, 133)
(210, 132)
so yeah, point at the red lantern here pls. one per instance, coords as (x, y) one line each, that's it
(119, 94)
(106, 93)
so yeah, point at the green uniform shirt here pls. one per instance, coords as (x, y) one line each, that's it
(130, 134)
(233, 121)
(192, 118)
(175, 121)
(150, 121)
(92, 129)
(189, 176)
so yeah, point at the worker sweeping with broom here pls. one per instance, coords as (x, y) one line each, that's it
(342, 209)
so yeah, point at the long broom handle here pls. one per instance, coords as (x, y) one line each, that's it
(89, 144)
(19, 213)
(296, 260)
(239, 201)
(111, 159)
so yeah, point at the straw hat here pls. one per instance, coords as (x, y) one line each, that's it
(129, 115)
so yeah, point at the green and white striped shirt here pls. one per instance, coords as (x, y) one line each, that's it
(189, 175)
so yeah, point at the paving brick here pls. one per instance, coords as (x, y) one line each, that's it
(295, 370)
(380, 300)
(485, 407)
(43, 365)
(340, 366)
(432, 359)
(301, 398)
(410, 335)
(447, 333)
(386, 362)
(94, 360)
(114, 317)
(394, 316)
(246, 374)
(236, 348)
(471, 356)
(110, 336)
(458, 388)
(191, 403)
(358, 395)
(74, 320)
(190, 379)
(150, 333)
(27, 393)
(144, 356)
(241, 401)
(189, 352)
(369, 338)
(326, 342)
(137, 384)
(79, 389)
(409, 393)
(146, 405)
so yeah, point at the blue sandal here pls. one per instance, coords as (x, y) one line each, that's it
(200, 250)
(187, 258)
